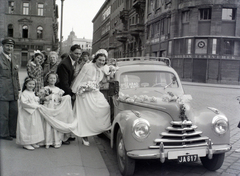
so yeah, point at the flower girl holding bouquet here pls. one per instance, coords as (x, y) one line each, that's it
(52, 135)
(29, 125)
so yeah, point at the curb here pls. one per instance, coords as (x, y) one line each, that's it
(211, 85)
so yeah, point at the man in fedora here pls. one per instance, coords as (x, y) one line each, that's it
(9, 88)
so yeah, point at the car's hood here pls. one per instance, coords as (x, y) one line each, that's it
(174, 105)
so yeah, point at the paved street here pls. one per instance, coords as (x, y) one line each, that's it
(222, 98)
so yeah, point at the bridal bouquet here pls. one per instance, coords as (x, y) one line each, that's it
(44, 95)
(87, 87)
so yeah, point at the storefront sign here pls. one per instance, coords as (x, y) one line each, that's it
(205, 56)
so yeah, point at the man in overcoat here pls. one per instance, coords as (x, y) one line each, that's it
(9, 89)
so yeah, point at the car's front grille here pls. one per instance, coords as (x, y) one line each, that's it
(181, 134)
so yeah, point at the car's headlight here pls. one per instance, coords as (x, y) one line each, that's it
(220, 124)
(140, 129)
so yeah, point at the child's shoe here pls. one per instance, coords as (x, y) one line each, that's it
(237, 151)
(28, 147)
(35, 146)
(47, 146)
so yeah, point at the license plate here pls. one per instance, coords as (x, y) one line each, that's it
(187, 158)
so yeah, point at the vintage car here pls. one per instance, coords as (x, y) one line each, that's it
(152, 118)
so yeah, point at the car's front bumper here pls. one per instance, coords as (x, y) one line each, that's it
(163, 154)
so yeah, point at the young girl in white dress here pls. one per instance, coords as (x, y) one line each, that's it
(53, 136)
(29, 125)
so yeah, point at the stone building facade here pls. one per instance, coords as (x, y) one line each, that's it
(32, 24)
(202, 38)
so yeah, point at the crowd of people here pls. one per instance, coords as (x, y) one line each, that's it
(60, 98)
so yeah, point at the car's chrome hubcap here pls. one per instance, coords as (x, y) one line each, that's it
(120, 148)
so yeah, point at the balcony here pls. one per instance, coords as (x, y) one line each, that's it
(121, 36)
(124, 15)
(138, 3)
(135, 29)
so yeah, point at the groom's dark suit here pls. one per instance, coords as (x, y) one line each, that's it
(65, 72)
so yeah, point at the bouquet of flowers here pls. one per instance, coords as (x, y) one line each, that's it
(87, 87)
(44, 95)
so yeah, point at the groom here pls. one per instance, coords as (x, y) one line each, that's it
(66, 68)
(65, 73)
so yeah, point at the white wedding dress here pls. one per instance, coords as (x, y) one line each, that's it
(91, 113)
(91, 109)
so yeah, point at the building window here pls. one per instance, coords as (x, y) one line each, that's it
(214, 46)
(162, 27)
(10, 7)
(170, 48)
(228, 14)
(25, 31)
(39, 32)
(40, 9)
(189, 46)
(106, 13)
(148, 32)
(185, 17)
(205, 14)
(10, 30)
(25, 8)
(228, 46)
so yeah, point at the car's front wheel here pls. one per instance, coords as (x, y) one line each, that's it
(215, 163)
(126, 164)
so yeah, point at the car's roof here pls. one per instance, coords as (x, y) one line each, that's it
(143, 61)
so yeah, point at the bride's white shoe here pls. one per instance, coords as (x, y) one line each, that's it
(85, 141)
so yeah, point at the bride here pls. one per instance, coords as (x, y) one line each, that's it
(91, 109)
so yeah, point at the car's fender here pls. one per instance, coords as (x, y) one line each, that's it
(204, 120)
(124, 121)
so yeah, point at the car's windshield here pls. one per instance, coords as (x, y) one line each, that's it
(133, 80)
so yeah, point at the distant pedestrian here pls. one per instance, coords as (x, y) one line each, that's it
(35, 70)
(9, 87)
(30, 126)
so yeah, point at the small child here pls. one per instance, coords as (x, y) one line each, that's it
(29, 125)
(52, 136)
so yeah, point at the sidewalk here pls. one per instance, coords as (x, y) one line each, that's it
(69, 160)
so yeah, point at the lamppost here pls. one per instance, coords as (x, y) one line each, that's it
(61, 37)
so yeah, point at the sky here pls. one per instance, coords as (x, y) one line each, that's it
(78, 16)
